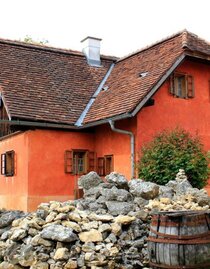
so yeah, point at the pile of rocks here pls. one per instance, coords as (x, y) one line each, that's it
(118, 196)
(108, 228)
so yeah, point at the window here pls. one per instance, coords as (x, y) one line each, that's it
(105, 165)
(182, 85)
(79, 162)
(7, 163)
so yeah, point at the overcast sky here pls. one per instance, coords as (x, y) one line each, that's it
(124, 25)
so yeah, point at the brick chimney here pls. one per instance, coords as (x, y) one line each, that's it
(91, 49)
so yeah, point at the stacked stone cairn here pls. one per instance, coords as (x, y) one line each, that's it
(107, 228)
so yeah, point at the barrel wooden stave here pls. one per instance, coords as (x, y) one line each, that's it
(187, 255)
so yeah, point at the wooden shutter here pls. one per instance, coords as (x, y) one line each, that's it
(3, 164)
(190, 87)
(101, 168)
(91, 161)
(108, 167)
(172, 85)
(10, 163)
(68, 161)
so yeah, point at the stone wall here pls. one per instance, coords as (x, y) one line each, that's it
(108, 228)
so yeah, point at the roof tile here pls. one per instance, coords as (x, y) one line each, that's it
(47, 85)
(126, 88)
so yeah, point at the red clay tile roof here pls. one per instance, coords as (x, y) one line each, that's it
(126, 89)
(39, 83)
(45, 84)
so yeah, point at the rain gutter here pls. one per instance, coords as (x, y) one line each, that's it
(111, 122)
(38, 124)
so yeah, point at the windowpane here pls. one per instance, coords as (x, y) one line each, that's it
(79, 162)
(182, 85)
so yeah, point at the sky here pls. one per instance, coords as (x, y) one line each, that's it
(124, 25)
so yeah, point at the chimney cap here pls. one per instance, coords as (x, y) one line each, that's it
(91, 37)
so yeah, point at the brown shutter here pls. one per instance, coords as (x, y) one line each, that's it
(91, 161)
(172, 85)
(3, 164)
(190, 87)
(10, 163)
(108, 166)
(68, 161)
(101, 168)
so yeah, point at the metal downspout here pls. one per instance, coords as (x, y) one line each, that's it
(131, 143)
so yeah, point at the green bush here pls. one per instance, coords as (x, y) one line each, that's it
(169, 151)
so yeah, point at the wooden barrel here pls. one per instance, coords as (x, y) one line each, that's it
(180, 239)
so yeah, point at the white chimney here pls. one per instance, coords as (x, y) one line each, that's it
(91, 49)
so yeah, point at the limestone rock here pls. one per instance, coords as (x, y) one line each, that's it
(90, 180)
(141, 202)
(146, 190)
(115, 194)
(90, 225)
(118, 180)
(116, 208)
(74, 216)
(181, 176)
(183, 187)
(18, 234)
(61, 254)
(40, 265)
(71, 264)
(101, 217)
(6, 265)
(104, 227)
(58, 233)
(73, 225)
(166, 191)
(91, 236)
(26, 257)
(124, 219)
(116, 228)
(8, 217)
(38, 240)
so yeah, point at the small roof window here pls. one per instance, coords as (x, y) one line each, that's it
(143, 74)
(105, 88)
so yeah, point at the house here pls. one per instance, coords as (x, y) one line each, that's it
(65, 113)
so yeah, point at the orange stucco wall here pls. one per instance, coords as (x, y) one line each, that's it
(47, 179)
(14, 190)
(169, 112)
(39, 164)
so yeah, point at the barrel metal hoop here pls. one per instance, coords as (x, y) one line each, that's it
(179, 242)
(170, 223)
(184, 237)
(204, 265)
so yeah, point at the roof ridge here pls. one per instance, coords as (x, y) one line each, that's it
(186, 33)
(154, 44)
(49, 48)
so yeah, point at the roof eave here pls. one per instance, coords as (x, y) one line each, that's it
(26, 123)
(104, 121)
